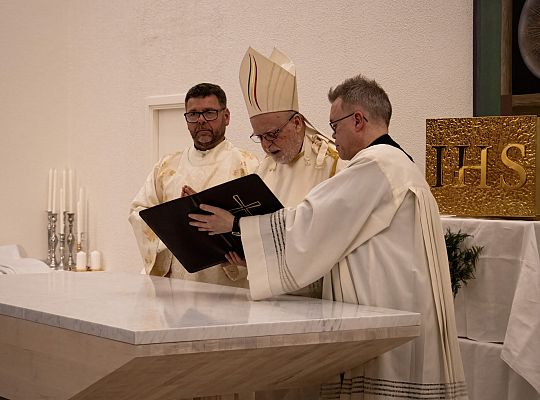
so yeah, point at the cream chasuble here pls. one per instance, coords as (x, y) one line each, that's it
(377, 217)
(200, 170)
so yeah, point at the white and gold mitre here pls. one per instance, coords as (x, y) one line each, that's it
(268, 84)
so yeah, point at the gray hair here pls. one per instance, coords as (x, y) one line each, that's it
(364, 92)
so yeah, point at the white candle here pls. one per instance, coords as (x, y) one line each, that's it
(80, 214)
(70, 191)
(64, 185)
(53, 209)
(95, 260)
(81, 261)
(86, 218)
(49, 194)
(78, 218)
(61, 210)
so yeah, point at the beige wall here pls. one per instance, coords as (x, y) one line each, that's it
(75, 74)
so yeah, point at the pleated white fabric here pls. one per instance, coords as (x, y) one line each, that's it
(379, 221)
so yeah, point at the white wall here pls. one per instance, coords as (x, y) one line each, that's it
(75, 74)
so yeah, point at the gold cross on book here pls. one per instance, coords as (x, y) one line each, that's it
(244, 207)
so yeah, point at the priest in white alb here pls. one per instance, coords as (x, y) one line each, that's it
(374, 233)
(210, 161)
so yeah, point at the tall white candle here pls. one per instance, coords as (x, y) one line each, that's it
(80, 213)
(62, 207)
(53, 209)
(70, 191)
(78, 218)
(64, 187)
(86, 225)
(83, 215)
(49, 193)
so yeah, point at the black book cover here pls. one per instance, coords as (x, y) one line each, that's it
(196, 250)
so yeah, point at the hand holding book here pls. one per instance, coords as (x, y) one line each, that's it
(187, 191)
(234, 259)
(218, 221)
(192, 244)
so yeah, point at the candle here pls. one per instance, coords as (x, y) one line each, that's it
(53, 208)
(95, 260)
(78, 217)
(49, 194)
(61, 210)
(80, 214)
(64, 185)
(70, 191)
(81, 261)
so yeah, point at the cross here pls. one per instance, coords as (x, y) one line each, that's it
(244, 207)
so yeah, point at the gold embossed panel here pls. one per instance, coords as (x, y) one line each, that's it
(484, 166)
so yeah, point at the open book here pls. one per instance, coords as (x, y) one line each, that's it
(196, 250)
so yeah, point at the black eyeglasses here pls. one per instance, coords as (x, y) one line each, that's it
(333, 124)
(270, 136)
(208, 115)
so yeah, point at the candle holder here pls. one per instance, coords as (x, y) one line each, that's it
(53, 241)
(61, 249)
(70, 241)
(49, 217)
(80, 241)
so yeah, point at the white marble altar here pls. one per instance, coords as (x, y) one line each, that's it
(140, 309)
(120, 329)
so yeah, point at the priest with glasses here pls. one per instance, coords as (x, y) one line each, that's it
(210, 161)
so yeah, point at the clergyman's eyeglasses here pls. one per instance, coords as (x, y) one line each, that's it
(208, 115)
(270, 136)
(333, 124)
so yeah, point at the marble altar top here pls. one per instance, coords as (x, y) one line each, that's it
(141, 309)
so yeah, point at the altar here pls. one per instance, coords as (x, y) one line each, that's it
(99, 335)
(498, 313)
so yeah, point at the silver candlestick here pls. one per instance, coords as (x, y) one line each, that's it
(49, 217)
(80, 242)
(61, 249)
(70, 241)
(53, 241)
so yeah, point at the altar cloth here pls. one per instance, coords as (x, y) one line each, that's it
(502, 305)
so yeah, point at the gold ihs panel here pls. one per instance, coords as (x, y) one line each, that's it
(484, 166)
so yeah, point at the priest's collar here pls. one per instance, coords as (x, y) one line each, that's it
(207, 157)
(203, 153)
(386, 139)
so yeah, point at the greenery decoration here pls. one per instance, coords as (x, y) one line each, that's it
(462, 260)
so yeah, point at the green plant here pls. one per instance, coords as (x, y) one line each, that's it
(462, 260)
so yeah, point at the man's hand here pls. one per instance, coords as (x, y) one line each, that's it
(219, 221)
(234, 259)
(187, 191)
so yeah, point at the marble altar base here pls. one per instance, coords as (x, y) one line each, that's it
(43, 361)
